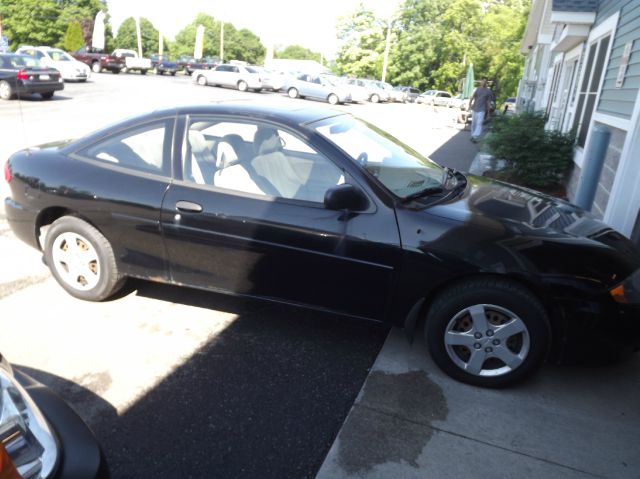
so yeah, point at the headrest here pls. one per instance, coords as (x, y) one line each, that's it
(266, 140)
(197, 141)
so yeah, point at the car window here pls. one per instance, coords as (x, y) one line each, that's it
(256, 158)
(60, 56)
(144, 148)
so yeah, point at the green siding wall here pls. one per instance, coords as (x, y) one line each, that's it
(620, 101)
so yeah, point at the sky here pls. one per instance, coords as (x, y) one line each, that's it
(280, 22)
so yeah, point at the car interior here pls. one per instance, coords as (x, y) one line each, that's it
(257, 159)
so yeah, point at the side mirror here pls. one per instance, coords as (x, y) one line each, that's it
(345, 197)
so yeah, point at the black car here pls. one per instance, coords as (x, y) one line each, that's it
(161, 64)
(314, 207)
(23, 75)
(40, 435)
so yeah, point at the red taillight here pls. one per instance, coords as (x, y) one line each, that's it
(22, 75)
(7, 172)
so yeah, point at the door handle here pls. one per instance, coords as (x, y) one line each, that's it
(188, 206)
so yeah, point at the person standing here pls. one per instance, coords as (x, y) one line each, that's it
(480, 104)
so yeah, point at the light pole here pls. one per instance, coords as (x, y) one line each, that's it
(386, 50)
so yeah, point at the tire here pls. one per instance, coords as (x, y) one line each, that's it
(143, 72)
(242, 85)
(333, 99)
(115, 72)
(47, 95)
(173, 74)
(95, 67)
(6, 91)
(375, 98)
(202, 80)
(487, 332)
(81, 259)
(292, 92)
(124, 70)
(156, 71)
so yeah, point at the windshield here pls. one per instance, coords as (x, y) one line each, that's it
(60, 56)
(402, 170)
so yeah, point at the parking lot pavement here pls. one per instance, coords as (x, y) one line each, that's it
(411, 421)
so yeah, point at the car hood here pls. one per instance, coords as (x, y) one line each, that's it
(543, 229)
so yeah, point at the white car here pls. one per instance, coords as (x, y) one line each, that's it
(435, 97)
(69, 67)
(236, 76)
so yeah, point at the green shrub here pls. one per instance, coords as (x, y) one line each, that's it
(73, 39)
(534, 157)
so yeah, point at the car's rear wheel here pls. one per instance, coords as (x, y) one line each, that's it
(292, 92)
(333, 99)
(6, 91)
(143, 72)
(202, 80)
(173, 74)
(242, 85)
(48, 95)
(375, 98)
(81, 259)
(487, 332)
(95, 67)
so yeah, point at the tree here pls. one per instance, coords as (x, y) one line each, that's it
(127, 36)
(297, 52)
(30, 22)
(44, 22)
(238, 44)
(73, 39)
(363, 41)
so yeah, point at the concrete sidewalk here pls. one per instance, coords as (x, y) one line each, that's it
(412, 421)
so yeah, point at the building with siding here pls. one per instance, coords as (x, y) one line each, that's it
(582, 69)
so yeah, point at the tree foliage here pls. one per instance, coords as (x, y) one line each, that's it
(297, 52)
(127, 36)
(433, 42)
(238, 44)
(45, 22)
(73, 38)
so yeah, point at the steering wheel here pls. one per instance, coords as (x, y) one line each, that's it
(362, 159)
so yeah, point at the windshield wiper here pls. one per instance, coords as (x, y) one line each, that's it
(432, 190)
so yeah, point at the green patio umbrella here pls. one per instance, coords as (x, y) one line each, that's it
(467, 88)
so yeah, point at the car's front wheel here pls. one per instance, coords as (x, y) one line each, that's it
(202, 80)
(292, 92)
(333, 99)
(487, 332)
(375, 98)
(81, 259)
(242, 85)
(95, 67)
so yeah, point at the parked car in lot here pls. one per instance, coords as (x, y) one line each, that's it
(357, 89)
(40, 435)
(163, 64)
(99, 61)
(132, 61)
(317, 87)
(23, 75)
(404, 94)
(69, 67)
(224, 196)
(435, 98)
(459, 101)
(272, 80)
(509, 105)
(189, 65)
(235, 76)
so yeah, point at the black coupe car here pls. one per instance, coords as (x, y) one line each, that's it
(40, 435)
(314, 207)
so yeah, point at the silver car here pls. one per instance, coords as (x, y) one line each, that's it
(319, 87)
(235, 76)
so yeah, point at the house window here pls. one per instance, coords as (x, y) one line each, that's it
(589, 88)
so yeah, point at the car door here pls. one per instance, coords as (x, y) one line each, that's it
(238, 236)
(124, 175)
